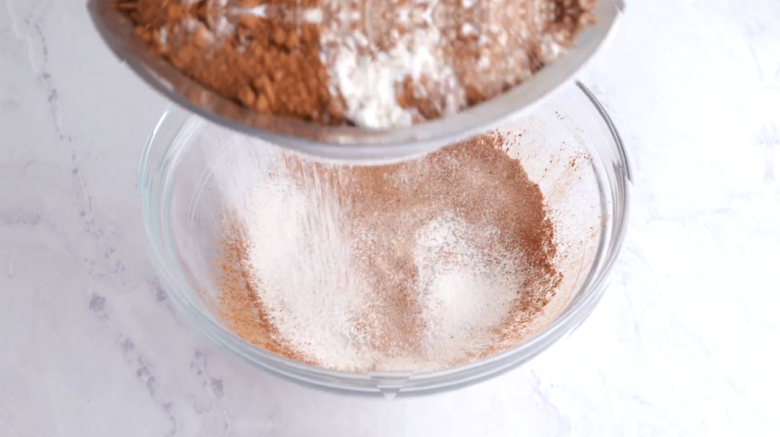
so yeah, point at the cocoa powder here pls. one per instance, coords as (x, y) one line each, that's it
(385, 207)
(270, 64)
(315, 60)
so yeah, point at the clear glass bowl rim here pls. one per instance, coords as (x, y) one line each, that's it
(156, 175)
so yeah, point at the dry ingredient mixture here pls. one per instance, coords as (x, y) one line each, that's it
(422, 265)
(372, 63)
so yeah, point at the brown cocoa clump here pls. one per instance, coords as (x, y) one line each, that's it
(270, 65)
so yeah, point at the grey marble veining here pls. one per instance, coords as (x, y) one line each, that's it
(684, 343)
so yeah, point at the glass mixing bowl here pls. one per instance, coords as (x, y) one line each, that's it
(182, 198)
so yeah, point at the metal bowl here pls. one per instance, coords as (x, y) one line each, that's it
(345, 143)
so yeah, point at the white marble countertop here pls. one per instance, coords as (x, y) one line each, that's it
(685, 342)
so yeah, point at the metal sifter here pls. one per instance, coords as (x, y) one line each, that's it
(347, 143)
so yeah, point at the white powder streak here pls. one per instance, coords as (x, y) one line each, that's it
(257, 11)
(301, 270)
(309, 15)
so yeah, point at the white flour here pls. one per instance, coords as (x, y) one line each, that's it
(370, 77)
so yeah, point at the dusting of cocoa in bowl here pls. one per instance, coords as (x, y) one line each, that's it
(427, 264)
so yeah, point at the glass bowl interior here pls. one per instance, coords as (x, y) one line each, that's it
(567, 145)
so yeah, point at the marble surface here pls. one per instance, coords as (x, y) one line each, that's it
(685, 342)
